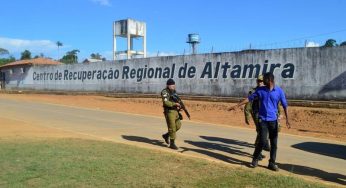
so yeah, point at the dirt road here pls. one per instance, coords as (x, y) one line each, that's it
(310, 157)
(314, 122)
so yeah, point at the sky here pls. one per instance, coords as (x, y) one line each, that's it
(223, 25)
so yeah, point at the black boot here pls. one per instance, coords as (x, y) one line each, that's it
(254, 163)
(166, 137)
(172, 145)
(273, 166)
(261, 157)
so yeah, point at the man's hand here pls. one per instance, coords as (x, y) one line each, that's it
(177, 105)
(279, 118)
(288, 124)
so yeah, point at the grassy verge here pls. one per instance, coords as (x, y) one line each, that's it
(88, 163)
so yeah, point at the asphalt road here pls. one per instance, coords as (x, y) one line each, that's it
(309, 157)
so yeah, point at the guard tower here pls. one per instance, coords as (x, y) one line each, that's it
(129, 29)
(193, 39)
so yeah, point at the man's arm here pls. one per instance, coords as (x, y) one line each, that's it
(166, 102)
(246, 100)
(247, 113)
(287, 121)
(285, 106)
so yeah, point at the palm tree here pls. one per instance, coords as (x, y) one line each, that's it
(70, 57)
(58, 43)
(3, 51)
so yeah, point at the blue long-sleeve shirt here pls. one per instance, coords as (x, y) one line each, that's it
(269, 101)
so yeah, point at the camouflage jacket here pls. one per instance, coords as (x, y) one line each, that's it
(167, 100)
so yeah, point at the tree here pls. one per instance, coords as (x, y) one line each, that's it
(96, 56)
(3, 51)
(4, 61)
(39, 55)
(25, 55)
(59, 44)
(330, 43)
(70, 57)
(343, 43)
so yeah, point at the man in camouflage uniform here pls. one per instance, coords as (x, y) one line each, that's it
(171, 109)
(252, 109)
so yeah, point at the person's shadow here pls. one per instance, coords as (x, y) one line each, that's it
(228, 141)
(212, 145)
(220, 147)
(145, 140)
(205, 146)
(327, 149)
(215, 155)
(308, 171)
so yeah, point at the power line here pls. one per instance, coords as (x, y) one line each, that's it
(303, 38)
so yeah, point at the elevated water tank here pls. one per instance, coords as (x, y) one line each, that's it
(193, 38)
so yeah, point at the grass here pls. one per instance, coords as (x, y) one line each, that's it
(89, 163)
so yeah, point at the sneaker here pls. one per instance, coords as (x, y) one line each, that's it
(166, 138)
(254, 163)
(273, 166)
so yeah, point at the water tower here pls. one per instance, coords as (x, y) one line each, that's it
(193, 39)
(129, 29)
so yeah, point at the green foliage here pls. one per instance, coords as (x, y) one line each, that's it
(343, 43)
(70, 57)
(38, 56)
(58, 43)
(4, 61)
(330, 43)
(25, 55)
(3, 51)
(96, 56)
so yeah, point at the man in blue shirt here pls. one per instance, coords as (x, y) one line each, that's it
(269, 97)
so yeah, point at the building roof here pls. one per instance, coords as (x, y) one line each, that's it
(36, 61)
(91, 60)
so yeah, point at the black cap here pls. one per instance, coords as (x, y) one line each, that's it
(170, 82)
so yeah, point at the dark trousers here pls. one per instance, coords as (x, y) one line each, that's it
(266, 145)
(266, 127)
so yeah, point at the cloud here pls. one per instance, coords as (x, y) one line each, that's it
(102, 2)
(155, 54)
(47, 47)
(107, 54)
(19, 45)
(312, 44)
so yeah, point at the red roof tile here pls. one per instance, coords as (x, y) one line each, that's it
(36, 61)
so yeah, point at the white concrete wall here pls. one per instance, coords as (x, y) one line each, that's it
(304, 73)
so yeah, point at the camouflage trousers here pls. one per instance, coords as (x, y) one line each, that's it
(173, 123)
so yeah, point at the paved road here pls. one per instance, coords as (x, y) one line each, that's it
(310, 157)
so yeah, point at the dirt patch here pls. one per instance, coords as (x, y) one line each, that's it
(16, 129)
(316, 122)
